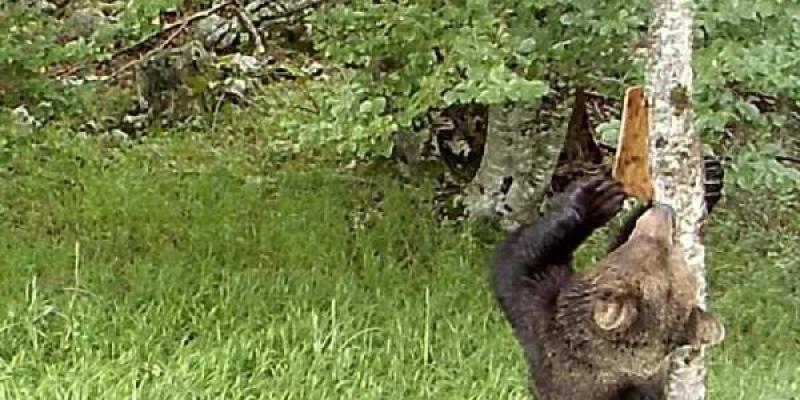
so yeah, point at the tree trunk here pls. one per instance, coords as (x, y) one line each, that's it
(523, 142)
(676, 160)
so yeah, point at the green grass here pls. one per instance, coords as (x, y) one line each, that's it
(180, 270)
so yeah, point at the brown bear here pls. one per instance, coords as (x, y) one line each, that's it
(604, 333)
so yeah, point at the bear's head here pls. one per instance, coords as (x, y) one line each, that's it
(629, 312)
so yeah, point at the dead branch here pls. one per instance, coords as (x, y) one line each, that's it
(160, 47)
(177, 25)
(294, 10)
(176, 28)
(248, 24)
(788, 159)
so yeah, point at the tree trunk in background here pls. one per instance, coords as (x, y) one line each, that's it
(523, 143)
(676, 160)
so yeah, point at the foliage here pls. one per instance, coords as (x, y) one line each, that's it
(34, 50)
(392, 62)
(480, 51)
(136, 20)
(442, 53)
(758, 168)
(28, 32)
(747, 51)
(310, 116)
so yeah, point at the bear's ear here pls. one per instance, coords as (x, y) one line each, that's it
(613, 308)
(704, 329)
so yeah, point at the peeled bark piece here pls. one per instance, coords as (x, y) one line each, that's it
(631, 165)
(522, 146)
(676, 161)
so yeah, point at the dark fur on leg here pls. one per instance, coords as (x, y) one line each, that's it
(583, 334)
(543, 250)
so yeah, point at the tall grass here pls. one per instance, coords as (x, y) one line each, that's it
(178, 270)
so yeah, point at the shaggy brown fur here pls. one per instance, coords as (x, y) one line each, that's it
(605, 333)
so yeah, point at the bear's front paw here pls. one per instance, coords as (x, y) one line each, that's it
(597, 201)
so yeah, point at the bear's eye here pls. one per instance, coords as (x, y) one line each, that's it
(606, 294)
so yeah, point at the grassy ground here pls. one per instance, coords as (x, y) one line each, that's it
(174, 271)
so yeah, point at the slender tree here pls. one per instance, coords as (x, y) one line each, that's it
(676, 160)
(522, 146)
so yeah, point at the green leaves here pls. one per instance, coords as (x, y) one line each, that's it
(493, 52)
(747, 52)
(446, 52)
(35, 46)
(755, 169)
(372, 106)
(527, 90)
(499, 85)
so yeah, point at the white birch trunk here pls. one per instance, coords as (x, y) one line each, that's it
(523, 143)
(676, 161)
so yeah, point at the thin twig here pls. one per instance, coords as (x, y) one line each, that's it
(181, 24)
(160, 47)
(291, 11)
(283, 17)
(304, 91)
(217, 107)
(178, 28)
(248, 24)
(72, 70)
(606, 146)
(788, 159)
(600, 95)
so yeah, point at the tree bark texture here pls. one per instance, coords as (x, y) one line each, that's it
(522, 147)
(676, 161)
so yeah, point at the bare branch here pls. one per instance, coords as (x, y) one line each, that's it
(177, 25)
(248, 24)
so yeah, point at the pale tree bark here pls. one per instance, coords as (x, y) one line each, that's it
(676, 161)
(523, 142)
